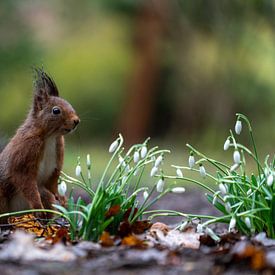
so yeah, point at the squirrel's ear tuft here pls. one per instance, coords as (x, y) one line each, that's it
(43, 82)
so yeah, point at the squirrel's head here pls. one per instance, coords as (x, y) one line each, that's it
(52, 113)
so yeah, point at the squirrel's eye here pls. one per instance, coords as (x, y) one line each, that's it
(56, 111)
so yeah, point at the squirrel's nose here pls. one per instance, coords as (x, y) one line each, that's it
(76, 121)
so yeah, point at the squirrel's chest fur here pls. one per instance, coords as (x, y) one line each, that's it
(48, 162)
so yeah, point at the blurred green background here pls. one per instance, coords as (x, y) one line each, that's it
(175, 70)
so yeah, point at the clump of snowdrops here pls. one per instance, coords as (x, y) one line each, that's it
(246, 201)
(115, 197)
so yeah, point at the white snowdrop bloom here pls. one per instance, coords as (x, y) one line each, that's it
(160, 185)
(214, 200)
(228, 207)
(78, 170)
(143, 152)
(234, 167)
(237, 157)
(191, 161)
(136, 156)
(154, 171)
(202, 171)
(247, 222)
(232, 224)
(249, 192)
(89, 175)
(199, 228)
(113, 146)
(183, 226)
(226, 144)
(145, 195)
(179, 173)
(158, 161)
(178, 190)
(269, 180)
(223, 188)
(211, 234)
(238, 127)
(88, 161)
(62, 188)
(121, 161)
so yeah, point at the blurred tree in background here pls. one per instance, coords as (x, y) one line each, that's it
(165, 68)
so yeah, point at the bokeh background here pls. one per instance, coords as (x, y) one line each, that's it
(175, 70)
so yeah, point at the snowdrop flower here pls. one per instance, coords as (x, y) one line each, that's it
(183, 226)
(62, 188)
(247, 222)
(191, 160)
(200, 228)
(211, 233)
(202, 171)
(143, 152)
(78, 170)
(179, 173)
(269, 180)
(158, 161)
(88, 161)
(214, 200)
(228, 207)
(145, 195)
(234, 167)
(232, 224)
(249, 192)
(121, 161)
(178, 190)
(113, 146)
(226, 144)
(237, 157)
(238, 127)
(154, 171)
(160, 185)
(136, 156)
(223, 188)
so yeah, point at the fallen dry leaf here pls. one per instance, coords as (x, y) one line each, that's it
(113, 211)
(133, 241)
(159, 226)
(106, 240)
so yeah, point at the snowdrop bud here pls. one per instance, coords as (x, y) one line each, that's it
(158, 161)
(228, 207)
(153, 171)
(199, 228)
(249, 192)
(234, 167)
(238, 127)
(78, 170)
(143, 152)
(88, 161)
(223, 188)
(113, 146)
(226, 144)
(237, 157)
(183, 226)
(247, 222)
(145, 195)
(136, 156)
(270, 180)
(62, 188)
(191, 160)
(211, 234)
(178, 190)
(214, 200)
(232, 224)
(202, 171)
(179, 173)
(160, 185)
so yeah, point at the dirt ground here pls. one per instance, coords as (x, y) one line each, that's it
(121, 260)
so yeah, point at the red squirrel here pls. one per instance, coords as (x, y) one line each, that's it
(31, 162)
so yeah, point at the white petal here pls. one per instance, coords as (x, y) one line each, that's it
(88, 161)
(145, 195)
(199, 228)
(238, 127)
(136, 156)
(78, 170)
(223, 188)
(160, 185)
(270, 180)
(237, 157)
(226, 145)
(153, 171)
(247, 222)
(179, 173)
(212, 234)
(178, 190)
(158, 161)
(143, 152)
(113, 146)
(62, 188)
(191, 161)
(202, 171)
(234, 167)
(232, 224)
